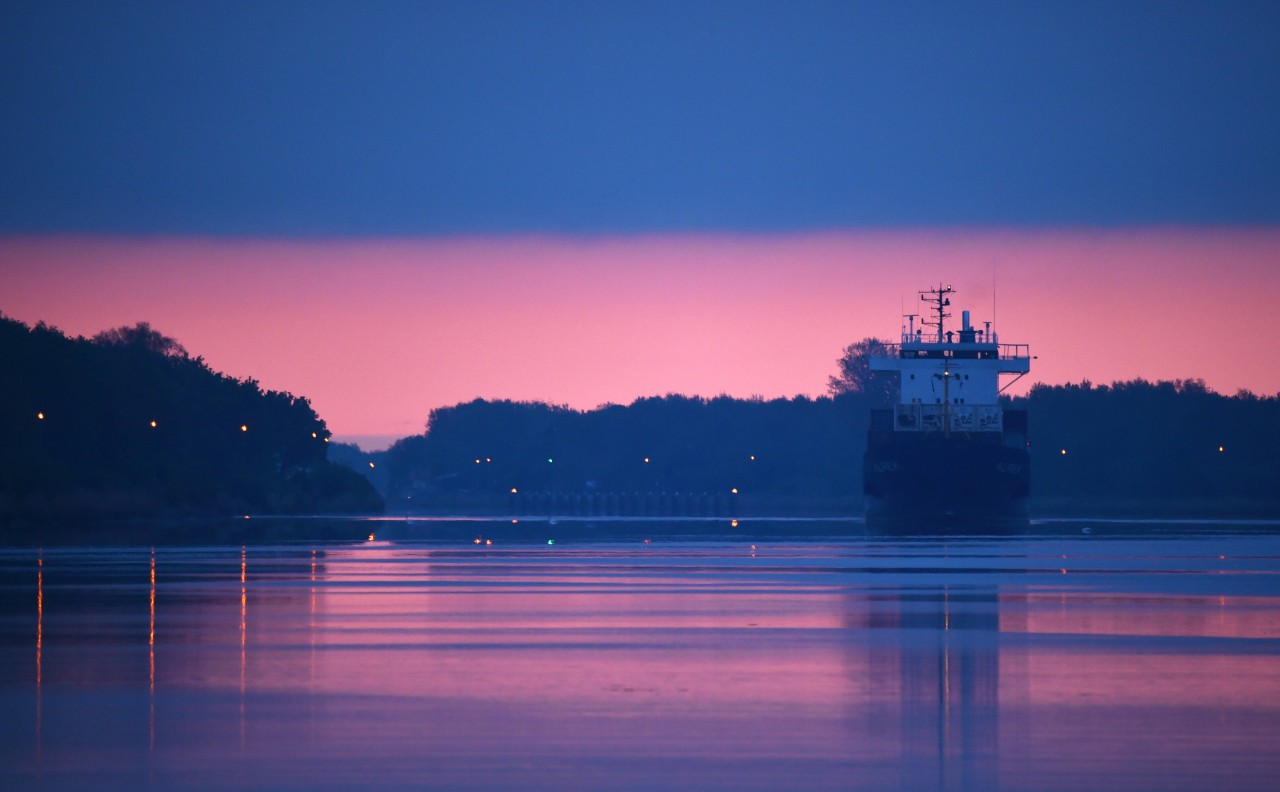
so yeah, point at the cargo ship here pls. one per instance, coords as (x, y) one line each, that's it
(948, 456)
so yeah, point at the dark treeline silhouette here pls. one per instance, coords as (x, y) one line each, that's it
(1132, 448)
(1156, 447)
(797, 453)
(127, 424)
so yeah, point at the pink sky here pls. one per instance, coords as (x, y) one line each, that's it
(378, 332)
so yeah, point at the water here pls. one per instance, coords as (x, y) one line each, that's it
(788, 656)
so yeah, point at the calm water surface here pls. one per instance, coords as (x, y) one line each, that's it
(802, 656)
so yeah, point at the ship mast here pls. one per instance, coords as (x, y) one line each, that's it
(946, 396)
(938, 303)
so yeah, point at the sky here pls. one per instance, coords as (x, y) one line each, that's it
(391, 207)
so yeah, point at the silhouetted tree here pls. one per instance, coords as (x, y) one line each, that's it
(854, 373)
(128, 424)
(141, 336)
(1175, 446)
(1161, 442)
(796, 448)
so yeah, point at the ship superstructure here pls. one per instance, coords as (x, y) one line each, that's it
(948, 453)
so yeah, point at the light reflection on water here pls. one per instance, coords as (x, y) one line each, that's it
(1036, 662)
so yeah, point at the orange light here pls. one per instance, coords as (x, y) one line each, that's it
(244, 427)
(477, 461)
(477, 540)
(313, 434)
(488, 541)
(1064, 452)
(370, 537)
(153, 424)
(370, 464)
(734, 490)
(733, 523)
(1221, 449)
(646, 460)
(513, 490)
(39, 416)
(753, 457)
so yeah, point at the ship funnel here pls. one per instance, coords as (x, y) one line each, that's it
(967, 334)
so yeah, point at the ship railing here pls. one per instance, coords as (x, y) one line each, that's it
(934, 417)
(1004, 351)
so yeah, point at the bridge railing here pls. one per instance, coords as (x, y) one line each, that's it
(934, 417)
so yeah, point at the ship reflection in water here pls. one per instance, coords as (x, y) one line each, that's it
(1047, 661)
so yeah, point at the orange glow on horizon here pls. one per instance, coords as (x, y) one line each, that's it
(556, 318)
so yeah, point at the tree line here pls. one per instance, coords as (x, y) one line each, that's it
(801, 449)
(1158, 448)
(1175, 444)
(127, 423)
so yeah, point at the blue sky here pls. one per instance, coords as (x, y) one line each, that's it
(368, 119)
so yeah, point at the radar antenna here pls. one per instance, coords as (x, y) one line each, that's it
(909, 332)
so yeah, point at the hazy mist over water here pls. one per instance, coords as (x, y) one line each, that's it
(768, 655)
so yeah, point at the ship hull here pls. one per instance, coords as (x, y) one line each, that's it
(943, 485)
